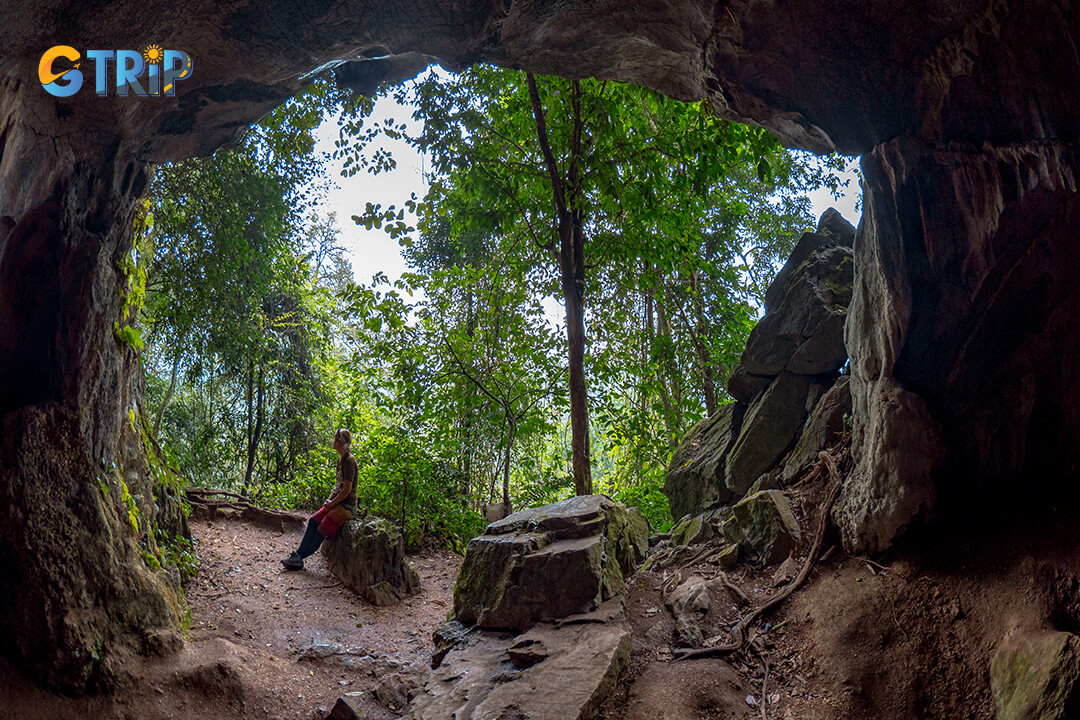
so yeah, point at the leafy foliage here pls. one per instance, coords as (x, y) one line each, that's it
(654, 224)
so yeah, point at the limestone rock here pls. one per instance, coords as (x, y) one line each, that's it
(691, 530)
(804, 333)
(690, 597)
(822, 427)
(832, 231)
(549, 562)
(769, 429)
(1034, 673)
(687, 633)
(968, 274)
(558, 671)
(347, 709)
(763, 526)
(768, 481)
(745, 387)
(445, 638)
(695, 477)
(898, 445)
(369, 559)
(833, 226)
(396, 690)
(728, 557)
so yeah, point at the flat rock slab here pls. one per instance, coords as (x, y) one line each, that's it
(555, 671)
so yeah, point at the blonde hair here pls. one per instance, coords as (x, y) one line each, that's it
(344, 436)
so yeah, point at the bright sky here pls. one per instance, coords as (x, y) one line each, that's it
(372, 251)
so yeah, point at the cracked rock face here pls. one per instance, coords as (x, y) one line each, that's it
(965, 264)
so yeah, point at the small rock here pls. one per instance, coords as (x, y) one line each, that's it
(397, 690)
(690, 598)
(786, 572)
(688, 633)
(728, 557)
(346, 709)
(690, 531)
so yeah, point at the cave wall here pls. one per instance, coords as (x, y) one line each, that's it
(962, 331)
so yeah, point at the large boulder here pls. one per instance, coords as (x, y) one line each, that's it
(695, 476)
(805, 310)
(549, 562)
(763, 527)
(769, 429)
(369, 559)
(1033, 675)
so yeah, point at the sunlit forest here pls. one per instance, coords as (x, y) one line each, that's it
(651, 226)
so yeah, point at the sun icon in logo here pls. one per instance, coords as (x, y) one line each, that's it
(152, 53)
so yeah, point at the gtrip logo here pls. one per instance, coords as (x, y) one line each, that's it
(162, 70)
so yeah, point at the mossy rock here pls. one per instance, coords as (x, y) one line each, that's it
(1033, 675)
(763, 527)
(695, 476)
(369, 559)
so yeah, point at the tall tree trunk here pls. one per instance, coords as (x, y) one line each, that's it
(566, 196)
(511, 430)
(255, 422)
(572, 279)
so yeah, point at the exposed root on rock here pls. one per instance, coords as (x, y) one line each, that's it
(737, 637)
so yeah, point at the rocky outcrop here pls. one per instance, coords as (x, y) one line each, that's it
(553, 576)
(689, 602)
(793, 352)
(369, 559)
(549, 562)
(771, 426)
(1034, 673)
(790, 360)
(802, 331)
(555, 671)
(973, 295)
(695, 476)
(823, 426)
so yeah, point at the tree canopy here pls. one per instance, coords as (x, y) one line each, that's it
(584, 270)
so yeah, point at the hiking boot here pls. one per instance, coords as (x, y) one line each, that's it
(293, 562)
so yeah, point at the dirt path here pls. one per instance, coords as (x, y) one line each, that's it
(243, 594)
(265, 642)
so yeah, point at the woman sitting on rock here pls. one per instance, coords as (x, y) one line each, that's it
(336, 511)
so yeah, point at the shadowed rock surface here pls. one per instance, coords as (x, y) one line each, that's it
(965, 260)
(560, 671)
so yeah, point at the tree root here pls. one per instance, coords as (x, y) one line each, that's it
(737, 637)
(202, 503)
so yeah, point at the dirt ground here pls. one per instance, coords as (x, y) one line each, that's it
(265, 641)
(908, 634)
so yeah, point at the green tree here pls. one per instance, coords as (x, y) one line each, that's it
(574, 176)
